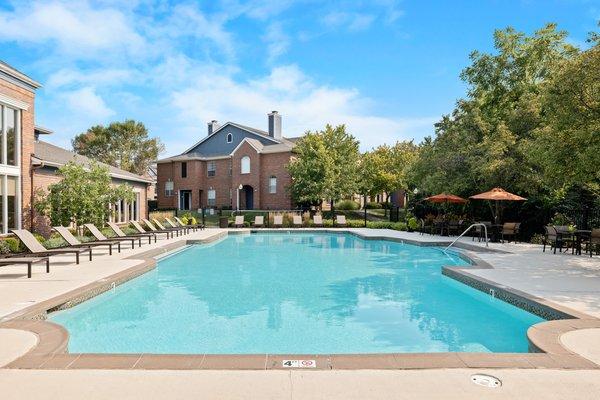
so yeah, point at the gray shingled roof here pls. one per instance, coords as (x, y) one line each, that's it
(52, 155)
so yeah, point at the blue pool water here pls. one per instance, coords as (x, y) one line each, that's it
(297, 293)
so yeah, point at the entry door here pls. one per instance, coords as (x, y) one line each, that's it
(249, 198)
(185, 199)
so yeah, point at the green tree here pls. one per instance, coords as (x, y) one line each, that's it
(83, 195)
(325, 166)
(124, 145)
(486, 141)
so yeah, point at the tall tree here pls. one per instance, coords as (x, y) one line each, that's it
(325, 166)
(125, 145)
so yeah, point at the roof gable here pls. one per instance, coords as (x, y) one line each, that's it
(216, 144)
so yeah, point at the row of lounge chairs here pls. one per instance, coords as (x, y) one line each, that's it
(39, 253)
(259, 221)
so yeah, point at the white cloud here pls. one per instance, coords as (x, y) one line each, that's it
(304, 104)
(75, 28)
(277, 41)
(86, 101)
(350, 21)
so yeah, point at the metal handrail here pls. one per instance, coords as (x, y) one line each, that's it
(467, 230)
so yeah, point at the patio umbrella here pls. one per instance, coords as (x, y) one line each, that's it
(497, 195)
(445, 198)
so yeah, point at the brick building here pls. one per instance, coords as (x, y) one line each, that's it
(233, 166)
(27, 163)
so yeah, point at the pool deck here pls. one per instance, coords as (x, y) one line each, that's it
(567, 281)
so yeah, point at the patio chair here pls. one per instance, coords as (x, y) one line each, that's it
(66, 234)
(26, 260)
(239, 221)
(566, 237)
(117, 230)
(554, 238)
(153, 230)
(278, 221)
(455, 227)
(36, 248)
(480, 232)
(340, 220)
(259, 221)
(194, 226)
(100, 236)
(318, 220)
(297, 221)
(510, 230)
(593, 240)
(185, 228)
(160, 226)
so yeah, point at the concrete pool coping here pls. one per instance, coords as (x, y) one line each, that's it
(547, 350)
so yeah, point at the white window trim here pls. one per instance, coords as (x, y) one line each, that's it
(274, 191)
(229, 137)
(11, 170)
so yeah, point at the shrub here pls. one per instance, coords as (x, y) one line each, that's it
(14, 245)
(193, 221)
(4, 247)
(54, 243)
(347, 205)
(373, 206)
(108, 232)
(185, 220)
(537, 238)
(413, 223)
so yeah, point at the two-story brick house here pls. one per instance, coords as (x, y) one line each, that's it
(233, 166)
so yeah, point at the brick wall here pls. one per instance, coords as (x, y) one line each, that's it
(262, 167)
(27, 137)
(275, 164)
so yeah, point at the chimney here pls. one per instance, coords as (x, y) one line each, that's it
(212, 127)
(274, 125)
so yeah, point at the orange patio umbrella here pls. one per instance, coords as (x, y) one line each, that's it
(497, 195)
(445, 198)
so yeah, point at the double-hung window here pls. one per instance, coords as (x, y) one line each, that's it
(212, 198)
(211, 168)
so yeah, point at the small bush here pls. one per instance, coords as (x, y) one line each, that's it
(413, 224)
(347, 205)
(14, 245)
(373, 206)
(537, 238)
(4, 247)
(54, 243)
(108, 232)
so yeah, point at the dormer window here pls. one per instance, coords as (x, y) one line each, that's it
(229, 138)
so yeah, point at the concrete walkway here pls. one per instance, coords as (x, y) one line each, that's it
(331, 385)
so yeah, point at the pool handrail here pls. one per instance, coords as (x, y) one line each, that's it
(466, 230)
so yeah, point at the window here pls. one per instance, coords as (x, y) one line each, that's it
(245, 165)
(273, 184)
(211, 168)
(184, 170)
(10, 181)
(212, 198)
(229, 138)
(169, 188)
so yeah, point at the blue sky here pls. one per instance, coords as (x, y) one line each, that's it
(387, 68)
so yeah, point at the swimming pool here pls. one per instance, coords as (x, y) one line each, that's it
(303, 293)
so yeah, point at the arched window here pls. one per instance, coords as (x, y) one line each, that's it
(229, 138)
(245, 165)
